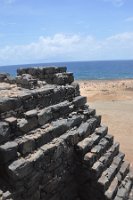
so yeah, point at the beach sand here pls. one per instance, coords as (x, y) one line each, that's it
(114, 101)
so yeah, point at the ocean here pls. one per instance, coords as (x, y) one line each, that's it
(87, 70)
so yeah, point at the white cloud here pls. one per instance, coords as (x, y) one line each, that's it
(62, 47)
(116, 2)
(123, 37)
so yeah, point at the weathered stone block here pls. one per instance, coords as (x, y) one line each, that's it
(4, 132)
(8, 152)
(26, 81)
(8, 104)
(97, 169)
(75, 120)
(62, 108)
(11, 120)
(110, 138)
(12, 123)
(103, 183)
(124, 169)
(25, 125)
(79, 101)
(71, 137)
(89, 159)
(89, 112)
(93, 124)
(87, 128)
(110, 193)
(26, 145)
(97, 149)
(19, 169)
(60, 127)
(44, 116)
(102, 130)
(84, 129)
(104, 161)
(63, 78)
(85, 145)
(124, 189)
(31, 113)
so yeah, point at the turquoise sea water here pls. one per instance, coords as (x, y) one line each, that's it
(87, 70)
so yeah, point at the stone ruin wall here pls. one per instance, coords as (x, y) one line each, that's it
(53, 145)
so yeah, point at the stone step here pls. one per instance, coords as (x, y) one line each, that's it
(40, 97)
(74, 119)
(125, 167)
(112, 190)
(107, 176)
(41, 136)
(22, 168)
(35, 139)
(36, 118)
(104, 161)
(27, 143)
(124, 190)
(88, 143)
(97, 151)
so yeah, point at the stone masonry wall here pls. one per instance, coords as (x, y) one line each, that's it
(53, 145)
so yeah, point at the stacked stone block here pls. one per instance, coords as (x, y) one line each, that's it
(53, 146)
(51, 75)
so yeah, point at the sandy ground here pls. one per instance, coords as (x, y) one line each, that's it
(114, 101)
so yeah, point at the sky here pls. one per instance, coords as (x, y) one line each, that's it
(34, 31)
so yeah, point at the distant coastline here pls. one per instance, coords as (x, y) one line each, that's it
(87, 70)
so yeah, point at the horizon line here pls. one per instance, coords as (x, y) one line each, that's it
(40, 63)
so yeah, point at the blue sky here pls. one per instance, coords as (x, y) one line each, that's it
(34, 31)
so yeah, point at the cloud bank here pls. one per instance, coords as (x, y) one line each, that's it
(63, 47)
